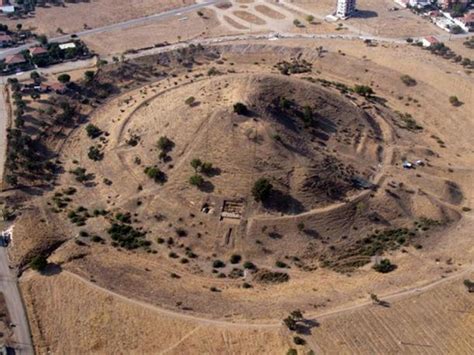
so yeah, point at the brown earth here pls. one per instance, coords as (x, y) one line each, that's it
(437, 191)
(95, 13)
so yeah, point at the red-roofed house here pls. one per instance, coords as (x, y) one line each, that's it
(15, 59)
(5, 40)
(429, 41)
(468, 21)
(38, 51)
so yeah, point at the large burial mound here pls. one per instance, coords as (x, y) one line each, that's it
(233, 190)
(309, 142)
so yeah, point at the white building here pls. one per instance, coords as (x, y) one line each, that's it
(420, 3)
(345, 8)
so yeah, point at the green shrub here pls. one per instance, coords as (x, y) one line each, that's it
(93, 131)
(218, 264)
(235, 259)
(39, 263)
(95, 154)
(153, 172)
(299, 341)
(453, 100)
(249, 265)
(196, 180)
(165, 144)
(261, 189)
(408, 80)
(364, 90)
(240, 109)
(190, 101)
(384, 266)
(64, 78)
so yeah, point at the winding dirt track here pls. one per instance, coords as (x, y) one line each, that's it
(317, 316)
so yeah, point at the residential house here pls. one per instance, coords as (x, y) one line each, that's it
(15, 61)
(449, 4)
(38, 51)
(429, 41)
(468, 21)
(5, 40)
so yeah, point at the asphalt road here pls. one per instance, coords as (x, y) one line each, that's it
(9, 287)
(3, 128)
(118, 26)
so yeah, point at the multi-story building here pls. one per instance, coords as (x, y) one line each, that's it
(345, 8)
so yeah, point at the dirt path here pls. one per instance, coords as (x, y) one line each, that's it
(317, 316)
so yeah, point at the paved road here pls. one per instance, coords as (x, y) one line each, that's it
(3, 128)
(8, 279)
(9, 287)
(119, 26)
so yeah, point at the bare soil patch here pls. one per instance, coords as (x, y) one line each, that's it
(249, 17)
(97, 13)
(234, 23)
(267, 11)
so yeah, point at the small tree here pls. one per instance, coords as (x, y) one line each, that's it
(469, 285)
(64, 78)
(93, 131)
(298, 340)
(408, 80)
(95, 154)
(454, 101)
(290, 323)
(42, 39)
(235, 259)
(207, 168)
(39, 263)
(240, 109)
(196, 180)
(156, 174)
(297, 23)
(196, 164)
(261, 189)
(190, 101)
(364, 90)
(165, 144)
(384, 266)
(296, 314)
(310, 18)
(34, 76)
(89, 75)
(307, 115)
(374, 298)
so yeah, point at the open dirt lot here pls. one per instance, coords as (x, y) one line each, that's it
(88, 320)
(95, 13)
(177, 29)
(375, 17)
(314, 247)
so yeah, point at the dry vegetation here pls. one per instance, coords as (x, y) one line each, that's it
(126, 211)
(72, 17)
